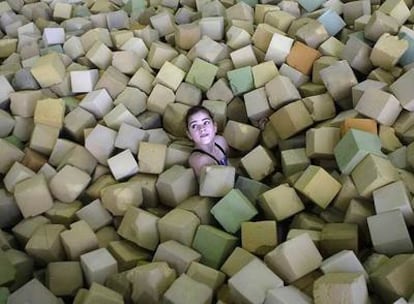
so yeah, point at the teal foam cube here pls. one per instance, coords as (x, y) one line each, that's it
(214, 245)
(310, 5)
(408, 56)
(353, 147)
(201, 74)
(233, 209)
(241, 80)
(332, 22)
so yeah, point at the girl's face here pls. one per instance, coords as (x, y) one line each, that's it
(201, 128)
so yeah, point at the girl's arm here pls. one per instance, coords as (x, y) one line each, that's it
(198, 162)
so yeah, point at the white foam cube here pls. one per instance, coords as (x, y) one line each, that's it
(98, 102)
(123, 165)
(98, 265)
(53, 35)
(83, 81)
(279, 48)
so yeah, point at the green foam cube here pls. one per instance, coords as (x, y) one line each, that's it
(201, 74)
(233, 209)
(353, 147)
(214, 245)
(241, 80)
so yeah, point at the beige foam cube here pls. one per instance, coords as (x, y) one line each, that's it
(339, 90)
(206, 275)
(385, 280)
(258, 163)
(126, 62)
(200, 206)
(48, 70)
(252, 282)
(343, 286)
(98, 265)
(64, 278)
(100, 55)
(336, 237)
(159, 98)
(236, 261)
(288, 260)
(176, 254)
(123, 165)
(195, 291)
(281, 202)
(26, 227)
(50, 112)
(281, 91)
(43, 138)
(187, 34)
(170, 76)
(76, 121)
(259, 237)
(140, 227)
(32, 196)
(68, 183)
(176, 184)
(389, 238)
(17, 173)
(291, 119)
(63, 213)
(372, 173)
(357, 52)
(98, 102)
(127, 254)
(151, 157)
(150, 290)
(113, 80)
(387, 51)
(318, 185)
(216, 181)
(9, 154)
(45, 244)
(95, 215)
(320, 142)
(179, 225)
(241, 136)
(78, 240)
(264, 72)
(380, 23)
(118, 197)
(119, 115)
(160, 52)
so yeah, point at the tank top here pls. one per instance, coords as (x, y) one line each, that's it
(222, 161)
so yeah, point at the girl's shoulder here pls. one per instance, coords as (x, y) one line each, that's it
(222, 142)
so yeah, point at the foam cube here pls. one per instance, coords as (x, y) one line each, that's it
(336, 237)
(233, 209)
(372, 173)
(353, 147)
(177, 255)
(48, 70)
(281, 202)
(318, 185)
(241, 80)
(140, 227)
(215, 245)
(98, 265)
(79, 239)
(201, 74)
(32, 196)
(244, 288)
(195, 291)
(389, 233)
(64, 278)
(258, 163)
(179, 225)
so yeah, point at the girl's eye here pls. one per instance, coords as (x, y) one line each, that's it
(207, 122)
(193, 127)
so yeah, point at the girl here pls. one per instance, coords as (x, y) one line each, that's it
(209, 148)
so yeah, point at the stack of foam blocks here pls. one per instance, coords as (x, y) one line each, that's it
(98, 204)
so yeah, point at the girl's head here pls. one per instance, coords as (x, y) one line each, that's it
(201, 127)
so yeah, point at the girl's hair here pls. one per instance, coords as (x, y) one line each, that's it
(195, 109)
